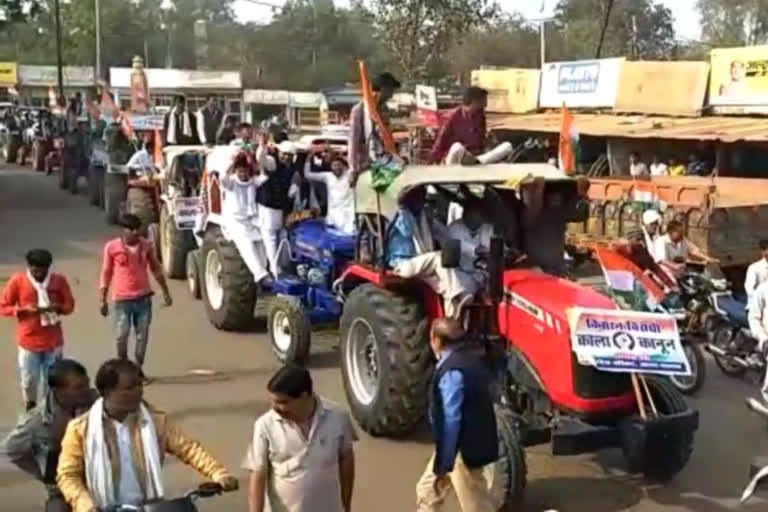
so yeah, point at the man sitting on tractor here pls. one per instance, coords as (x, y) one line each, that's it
(412, 254)
(241, 217)
(474, 235)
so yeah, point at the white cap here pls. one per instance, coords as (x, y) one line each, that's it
(651, 217)
(287, 147)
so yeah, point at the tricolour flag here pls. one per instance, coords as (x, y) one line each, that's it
(569, 142)
(628, 284)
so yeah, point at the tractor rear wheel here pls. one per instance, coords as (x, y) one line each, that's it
(39, 151)
(229, 291)
(175, 243)
(141, 202)
(12, 149)
(386, 360)
(115, 185)
(659, 457)
(507, 478)
(289, 330)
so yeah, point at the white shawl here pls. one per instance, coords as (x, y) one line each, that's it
(186, 130)
(43, 300)
(98, 468)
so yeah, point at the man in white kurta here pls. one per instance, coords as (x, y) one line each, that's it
(241, 222)
(758, 324)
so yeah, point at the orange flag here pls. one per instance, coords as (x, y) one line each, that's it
(386, 135)
(621, 273)
(566, 154)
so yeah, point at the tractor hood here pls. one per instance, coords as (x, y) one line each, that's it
(548, 298)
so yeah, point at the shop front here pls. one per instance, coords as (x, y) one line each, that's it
(35, 82)
(8, 81)
(195, 85)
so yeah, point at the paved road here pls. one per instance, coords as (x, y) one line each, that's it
(220, 410)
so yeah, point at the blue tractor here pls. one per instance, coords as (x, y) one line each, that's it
(319, 254)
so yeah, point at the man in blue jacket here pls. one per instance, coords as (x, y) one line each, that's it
(463, 422)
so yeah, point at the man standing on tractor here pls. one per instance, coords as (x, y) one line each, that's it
(463, 424)
(240, 184)
(209, 120)
(341, 201)
(125, 268)
(360, 152)
(272, 195)
(244, 138)
(178, 126)
(37, 298)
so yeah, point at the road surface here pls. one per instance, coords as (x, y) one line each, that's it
(220, 409)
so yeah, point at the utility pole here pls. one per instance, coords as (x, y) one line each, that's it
(543, 43)
(635, 49)
(98, 40)
(59, 60)
(607, 20)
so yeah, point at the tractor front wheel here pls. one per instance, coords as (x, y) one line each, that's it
(175, 243)
(290, 333)
(386, 360)
(193, 273)
(662, 454)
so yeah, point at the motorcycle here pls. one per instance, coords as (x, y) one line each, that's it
(758, 469)
(732, 344)
(184, 504)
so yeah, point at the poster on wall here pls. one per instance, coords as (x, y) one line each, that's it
(739, 79)
(580, 84)
(511, 90)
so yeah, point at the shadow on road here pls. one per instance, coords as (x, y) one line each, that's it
(249, 409)
(581, 494)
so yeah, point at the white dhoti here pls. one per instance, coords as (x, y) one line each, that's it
(458, 155)
(244, 233)
(270, 225)
(451, 283)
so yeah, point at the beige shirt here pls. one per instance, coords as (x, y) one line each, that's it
(302, 471)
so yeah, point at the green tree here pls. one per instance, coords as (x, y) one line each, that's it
(733, 22)
(419, 33)
(17, 11)
(509, 42)
(642, 29)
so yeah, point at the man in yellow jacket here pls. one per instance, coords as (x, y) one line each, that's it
(113, 454)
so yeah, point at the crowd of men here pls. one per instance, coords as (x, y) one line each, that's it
(696, 166)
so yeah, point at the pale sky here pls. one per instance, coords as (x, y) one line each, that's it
(686, 17)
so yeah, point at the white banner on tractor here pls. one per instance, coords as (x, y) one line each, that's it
(627, 342)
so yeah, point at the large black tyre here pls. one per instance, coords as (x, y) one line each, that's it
(175, 243)
(193, 274)
(289, 330)
(229, 291)
(508, 477)
(662, 457)
(115, 186)
(385, 359)
(95, 185)
(64, 169)
(141, 203)
(690, 385)
(722, 338)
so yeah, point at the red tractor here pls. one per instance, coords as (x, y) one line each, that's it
(546, 395)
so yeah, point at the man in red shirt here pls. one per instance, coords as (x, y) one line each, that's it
(127, 262)
(465, 125)
(37, 298)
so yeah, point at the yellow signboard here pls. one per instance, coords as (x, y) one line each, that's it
(8, 75)
(510, 91)
(664, 88)
(739, 79)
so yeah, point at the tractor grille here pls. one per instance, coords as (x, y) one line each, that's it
(590, 383)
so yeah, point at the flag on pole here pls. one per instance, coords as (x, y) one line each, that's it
(386, 136)
(107, 105)
(569, 141)
(629, 285)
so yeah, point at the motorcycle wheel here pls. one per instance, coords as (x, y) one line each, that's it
(695, 356)
(722, 339)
